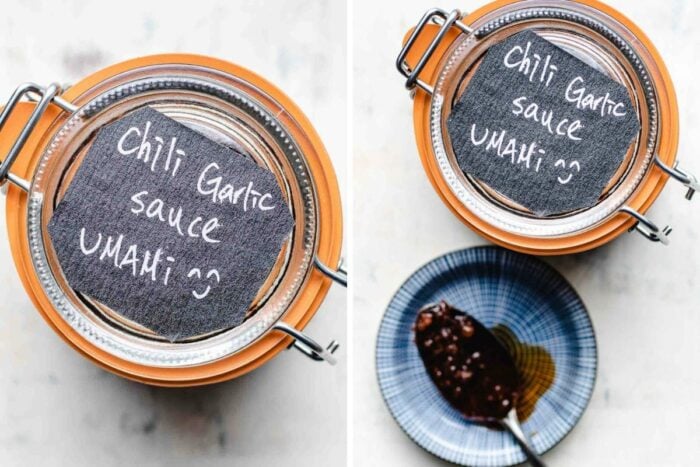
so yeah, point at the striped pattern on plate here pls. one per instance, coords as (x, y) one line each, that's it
(521, 297)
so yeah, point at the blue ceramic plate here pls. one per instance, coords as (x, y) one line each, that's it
(534, 311)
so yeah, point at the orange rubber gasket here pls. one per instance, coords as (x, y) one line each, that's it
(260, 351)
(644, 196)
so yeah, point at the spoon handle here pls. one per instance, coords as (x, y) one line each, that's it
(512, 423)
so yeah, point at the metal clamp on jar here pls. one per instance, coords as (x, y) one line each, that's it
(46, 132)
(438, 60)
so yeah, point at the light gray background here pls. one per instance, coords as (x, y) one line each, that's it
(642, 297)
(56, 408)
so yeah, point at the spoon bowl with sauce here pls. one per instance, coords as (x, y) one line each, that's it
(472, 369)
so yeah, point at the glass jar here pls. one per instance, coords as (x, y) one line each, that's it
(47, 133)
(439, 58)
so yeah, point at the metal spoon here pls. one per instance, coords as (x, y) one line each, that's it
(512, 424)
(472, 369)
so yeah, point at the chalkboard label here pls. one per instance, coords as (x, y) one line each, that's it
(542, 127)
(168, 228)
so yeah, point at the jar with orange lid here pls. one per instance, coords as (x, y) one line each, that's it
(47, 131)
(439, 58)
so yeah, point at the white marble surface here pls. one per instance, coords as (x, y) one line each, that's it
(57, 408)
(643, 298)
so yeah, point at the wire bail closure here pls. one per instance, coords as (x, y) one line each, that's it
(686, 178)
(307, 345)
(303, 342)
(645, 226)
(47, 95)
(436, 16)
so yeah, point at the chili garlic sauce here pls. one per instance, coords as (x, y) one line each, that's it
(470, 367)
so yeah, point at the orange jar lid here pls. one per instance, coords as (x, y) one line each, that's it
(438, 60)
(46, 141)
